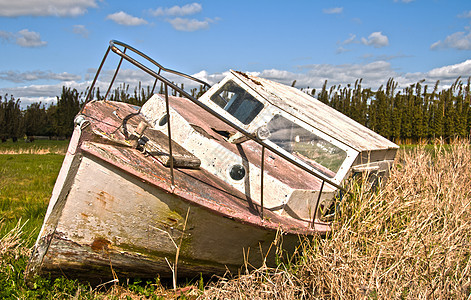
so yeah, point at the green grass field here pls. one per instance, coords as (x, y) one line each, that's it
(26, 182)
(27, 174)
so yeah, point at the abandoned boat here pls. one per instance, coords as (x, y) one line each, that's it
(198, 185)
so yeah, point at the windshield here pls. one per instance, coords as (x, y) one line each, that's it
(305, 145)
(237, 101)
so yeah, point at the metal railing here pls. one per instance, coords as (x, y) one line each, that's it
(167, 83)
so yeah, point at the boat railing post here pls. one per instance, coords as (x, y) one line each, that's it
(262, 165)
(317, 204)
(170, 154)
(155, 83)
(96, 77)
(115, 74)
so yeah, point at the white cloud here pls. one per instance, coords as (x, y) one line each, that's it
(15, 76)
(184, 24)
(376, 39)
(466, 14)
(451, 72)
(350, 40)
(6, 36)
(210, 78)
(60, 8)
(29, 39)
(80, 30)
(458, 40)
(123, 18)
(23, 38)
(342, 50)
(315, 75)
(34, 93)
(374, 74)
(186, 10)
(333, 10)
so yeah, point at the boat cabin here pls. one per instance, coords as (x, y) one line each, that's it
(289, 123)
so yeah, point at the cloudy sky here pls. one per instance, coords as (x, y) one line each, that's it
(47, 44)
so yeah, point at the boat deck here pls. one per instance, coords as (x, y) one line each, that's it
(197, 186)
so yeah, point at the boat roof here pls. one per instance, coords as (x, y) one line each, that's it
(317, 114)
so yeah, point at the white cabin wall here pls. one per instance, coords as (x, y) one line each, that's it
(217, 159)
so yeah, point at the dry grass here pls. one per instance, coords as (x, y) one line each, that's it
(36, 147)
(33, 151)
(12, 242)
(410, 240)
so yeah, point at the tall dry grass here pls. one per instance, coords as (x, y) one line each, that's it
(28, 151)
(36, 147)
(12, 242)
(33, 150)
(409, 240)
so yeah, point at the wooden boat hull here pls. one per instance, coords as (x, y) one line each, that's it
(105, 222)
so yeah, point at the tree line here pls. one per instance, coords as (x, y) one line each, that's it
(56, 120)
(37, 119)
(409, 115)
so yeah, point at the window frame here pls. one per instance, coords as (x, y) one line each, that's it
(228, 106)
(251, 126)
(344, 167)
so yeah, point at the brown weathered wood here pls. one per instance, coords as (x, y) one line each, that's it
(157, 146)
(138, 133)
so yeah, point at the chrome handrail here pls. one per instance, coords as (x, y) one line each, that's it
(113, 47)
(116, 50)
(182, 92)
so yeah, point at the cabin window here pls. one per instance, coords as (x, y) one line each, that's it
(237, 101)
(305, 145)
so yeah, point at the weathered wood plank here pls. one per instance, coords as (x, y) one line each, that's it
(157, 146)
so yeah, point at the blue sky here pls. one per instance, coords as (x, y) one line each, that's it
(46, 44)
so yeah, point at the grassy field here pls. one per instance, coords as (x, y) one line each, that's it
(27, 174)
(36, 147)
(26, 182)
(409, 240)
